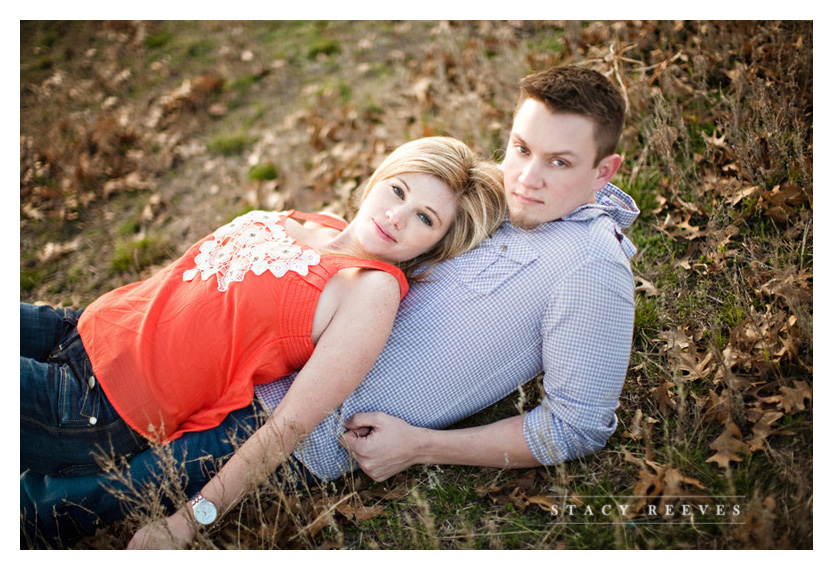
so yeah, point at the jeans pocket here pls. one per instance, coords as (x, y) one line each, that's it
(79, 399)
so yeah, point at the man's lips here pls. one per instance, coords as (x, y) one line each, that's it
(524, 199)
(383, 233)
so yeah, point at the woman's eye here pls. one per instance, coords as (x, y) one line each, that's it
(398, 191)
(425, 220)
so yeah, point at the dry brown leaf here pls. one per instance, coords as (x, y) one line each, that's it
(684, 358)
(729, 447)
(645, 286)
(132, 181)
(678, 225)
(675, 481)
(53, 251)
(718, 406)
(546, 503)
(791, 286)
(763, 429)
(659, 485)
(663, 396)
(757, 530)
(782, 201)
(793, 398)
(760, 341)
(741, 194)
(635, 429)
(361, 513)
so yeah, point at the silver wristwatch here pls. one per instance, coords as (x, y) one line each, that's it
(204, 510)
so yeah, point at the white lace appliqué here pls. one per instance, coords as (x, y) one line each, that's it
(255, 242)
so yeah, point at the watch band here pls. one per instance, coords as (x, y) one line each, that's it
(196, 499)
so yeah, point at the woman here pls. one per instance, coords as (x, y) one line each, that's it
(259, 298)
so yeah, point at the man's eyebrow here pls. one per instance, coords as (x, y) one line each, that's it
(553, 154)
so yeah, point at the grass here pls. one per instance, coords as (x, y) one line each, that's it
(717, 154)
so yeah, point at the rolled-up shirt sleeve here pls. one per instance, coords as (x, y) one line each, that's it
(587, 333)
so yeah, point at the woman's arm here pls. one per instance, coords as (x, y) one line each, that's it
(344, 354)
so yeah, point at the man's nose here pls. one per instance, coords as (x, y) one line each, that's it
(530, 175)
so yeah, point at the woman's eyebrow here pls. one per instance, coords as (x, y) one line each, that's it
(429, 208)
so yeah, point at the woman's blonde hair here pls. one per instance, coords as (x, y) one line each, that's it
(477, 185)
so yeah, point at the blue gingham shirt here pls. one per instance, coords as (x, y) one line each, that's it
(558, 299)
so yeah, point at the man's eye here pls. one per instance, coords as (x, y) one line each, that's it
(558, 162)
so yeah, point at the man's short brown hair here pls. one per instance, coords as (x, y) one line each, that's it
(580, 91)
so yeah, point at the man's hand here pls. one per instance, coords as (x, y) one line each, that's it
(175, 532)
(382, 445)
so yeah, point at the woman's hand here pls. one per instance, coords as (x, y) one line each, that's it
(173, 533)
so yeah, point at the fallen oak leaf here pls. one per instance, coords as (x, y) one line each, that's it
(740, 195)
(546, 503)
(646, 287)
(323, 509)
(793, 398)
(718, 406)
(729, 446)
(53, 251)
(360, 514)
(132, 181)
(763, 429)
(675, 481)
(792, 288)
(757, 530)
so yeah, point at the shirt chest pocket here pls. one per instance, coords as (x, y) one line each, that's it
(493, 263)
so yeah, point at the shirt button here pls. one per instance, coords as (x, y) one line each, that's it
(93, 421)
(503, 248)
(91, 382)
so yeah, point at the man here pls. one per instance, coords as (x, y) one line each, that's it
(554, 296)
(551, 291)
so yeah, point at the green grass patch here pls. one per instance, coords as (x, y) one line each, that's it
(229, 145)
(263, 171)
(136, 255)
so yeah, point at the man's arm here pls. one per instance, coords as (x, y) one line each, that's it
(383, 445)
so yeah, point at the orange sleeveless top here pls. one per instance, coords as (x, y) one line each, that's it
(179, 351)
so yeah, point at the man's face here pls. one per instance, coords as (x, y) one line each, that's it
(548, 170)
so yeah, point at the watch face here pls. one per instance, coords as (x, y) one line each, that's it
(205, 512)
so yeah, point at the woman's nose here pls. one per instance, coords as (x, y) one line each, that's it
(394, 217)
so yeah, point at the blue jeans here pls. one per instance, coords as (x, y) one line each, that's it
(66, 421)
(57, 511)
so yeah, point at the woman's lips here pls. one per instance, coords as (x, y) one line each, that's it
(383, 233)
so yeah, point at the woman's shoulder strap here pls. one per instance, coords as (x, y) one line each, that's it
(346, 261)
(323, 219)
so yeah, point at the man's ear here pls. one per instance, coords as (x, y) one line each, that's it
(607, 168)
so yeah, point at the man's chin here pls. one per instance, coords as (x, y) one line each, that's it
(522, 221)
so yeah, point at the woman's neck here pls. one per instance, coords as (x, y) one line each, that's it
(327, 240)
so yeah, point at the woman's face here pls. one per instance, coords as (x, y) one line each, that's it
(404, 216)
